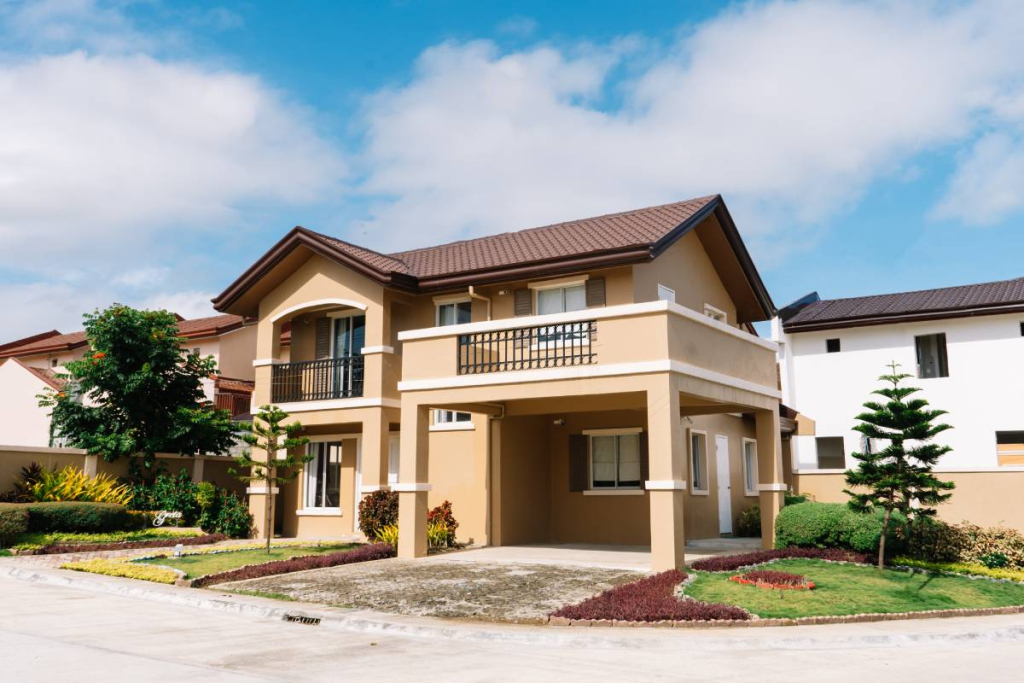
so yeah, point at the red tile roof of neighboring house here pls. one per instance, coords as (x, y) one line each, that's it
(29, 340)
(614, 239)
(1004, 296)
(45, 374)
(60, 342)
(241, 386)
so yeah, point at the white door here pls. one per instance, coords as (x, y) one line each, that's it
(724, 484)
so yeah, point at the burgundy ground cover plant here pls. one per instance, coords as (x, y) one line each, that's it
(649, 599)
(377, 551)
(728, 563)
(55, 548)
(767, 578)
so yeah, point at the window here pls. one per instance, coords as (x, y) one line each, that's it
(750, 467)
(1010, 448)
(832, 346)
(562, 300)
(347, 342)
(666, 294)
(716, 313)
(53, 362)
(394, 451)
(931, 356)
(698, 462)
(323, 475)
(615, 461)
(831, 453)
(1022, 329)
(454, 313)
(445, 420)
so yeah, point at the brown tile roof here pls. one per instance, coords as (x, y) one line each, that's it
(241, 386)
(926, 304)
(45, 374)
(209, 327)
(29, 340)
(60, 342)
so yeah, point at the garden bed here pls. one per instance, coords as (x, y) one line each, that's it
(55, 543)
(194, 565)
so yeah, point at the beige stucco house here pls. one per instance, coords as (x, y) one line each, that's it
(596, 381)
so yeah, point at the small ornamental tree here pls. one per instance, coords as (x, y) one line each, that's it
(268, 433)
(137, 392)
(899, 477)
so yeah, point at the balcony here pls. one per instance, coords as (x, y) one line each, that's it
(317, 380)
(528, 348)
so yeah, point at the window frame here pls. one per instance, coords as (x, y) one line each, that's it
(559, 340)
(817, 452)
(715, 313)
(838, 345)
(617, 489)
(942, 355)
(747, 491)
(439, 303)
(447, 421)
(314, 509)
(666, 293)
(706, 490)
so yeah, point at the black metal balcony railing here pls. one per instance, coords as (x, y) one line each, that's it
(527, 348)
(317, 380)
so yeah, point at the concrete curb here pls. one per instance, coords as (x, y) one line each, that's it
(368, 621)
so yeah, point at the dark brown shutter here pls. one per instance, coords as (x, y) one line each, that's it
(645, 460)
(524, 302)
(323, 338)
(595, 292)
(577, 463)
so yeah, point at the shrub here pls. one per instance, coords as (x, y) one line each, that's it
(13, 522)
(935, 541)
(797, 498)
(206, 495)
(22, 491)
(649, 599)
(377, 510)
(831, 525)
(748, 523)
(176, 493)
(71, 484)
(37, 541)
(728, 563)
(131, 570)
(79, 517)
(444, 524)
(388, 534)
(377, 551)
(995, 560)
(228, 514)
(964, 568)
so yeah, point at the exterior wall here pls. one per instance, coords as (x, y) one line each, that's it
(981, 393)
(22, 421)
(236, 352)
(13, 458)
(686, 268)
(459, 472)
(983, 498)
(702, 511)
(522, 505)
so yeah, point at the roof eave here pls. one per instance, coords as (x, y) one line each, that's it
(923, 316)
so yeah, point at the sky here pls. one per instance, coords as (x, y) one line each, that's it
(151, 151)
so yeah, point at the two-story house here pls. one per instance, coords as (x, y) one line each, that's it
(595, 381)
(28, 366)
(961, 346)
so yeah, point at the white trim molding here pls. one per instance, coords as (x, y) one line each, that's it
(370, 350)
(665, 485)
(452, 427)
(571, 281)
(261, 362)
(614, 492)
(411, 488)
(613, 431)
(777, 486)
(339, 404)
(261, 490)
(373, 489)
(317, 303)
(319, 512)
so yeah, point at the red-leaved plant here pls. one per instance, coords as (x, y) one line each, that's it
(767, 578)
(728, 563)
(365, 553)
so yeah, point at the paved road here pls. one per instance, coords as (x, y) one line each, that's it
(55, 633)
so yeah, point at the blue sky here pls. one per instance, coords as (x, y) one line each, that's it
(152, 150)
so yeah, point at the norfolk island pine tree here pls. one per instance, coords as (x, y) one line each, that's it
(899, 477)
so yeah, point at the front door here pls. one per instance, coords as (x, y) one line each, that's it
(724, 484)
(349, 339)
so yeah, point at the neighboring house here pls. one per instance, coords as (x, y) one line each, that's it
(29, 366)
(595, 381)
(961, 345)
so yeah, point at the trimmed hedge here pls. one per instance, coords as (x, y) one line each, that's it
(833, 525)
(79, 517)
(377, 551)
(13, 522)
(728, 563)
(649, 599)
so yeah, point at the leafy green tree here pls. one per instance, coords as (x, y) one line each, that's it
(281, 446)
(899, 477)
(138, 392)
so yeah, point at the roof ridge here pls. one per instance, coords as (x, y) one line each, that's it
(357, 246)
(916, 291)
(615, 214)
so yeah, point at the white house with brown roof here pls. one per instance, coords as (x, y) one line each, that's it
(30, 365)
(963, 346)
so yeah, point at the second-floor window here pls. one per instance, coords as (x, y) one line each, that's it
(454, 313)
(931, 356)
(561, 299)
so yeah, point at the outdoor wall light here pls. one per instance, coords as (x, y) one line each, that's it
(559, 421)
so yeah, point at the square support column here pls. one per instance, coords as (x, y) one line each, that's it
(412, 476)
(771, 488)
(376, 447)
(666, 483)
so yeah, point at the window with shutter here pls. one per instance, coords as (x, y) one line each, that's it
(595, 292)
(577, 463)
(523, 302)
(323, 338)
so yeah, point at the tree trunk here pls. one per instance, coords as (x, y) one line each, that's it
(881, 541)
(268, 528)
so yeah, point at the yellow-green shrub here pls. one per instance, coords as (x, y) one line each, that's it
(130, 570)
(965, 568)
(73, 485)
(388, 534)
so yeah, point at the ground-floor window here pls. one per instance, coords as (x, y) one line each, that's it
(444, 417)
(698, 462)
(323, 475)
(750, 467)
(615, 461)
(1010, 447)
(831, 452)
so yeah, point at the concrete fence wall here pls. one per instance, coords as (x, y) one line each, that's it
(202, 468)
(985, 498)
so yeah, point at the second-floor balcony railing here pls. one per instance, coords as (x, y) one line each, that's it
(317, 380)
(527, 348)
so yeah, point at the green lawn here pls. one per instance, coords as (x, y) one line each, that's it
(37, 540)
(211, 563)
(854, 589)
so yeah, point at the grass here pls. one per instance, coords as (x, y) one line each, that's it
(966, 568)
(844, 589)
(38, 540)
(265, 594)
(5, 553)
(202, 564)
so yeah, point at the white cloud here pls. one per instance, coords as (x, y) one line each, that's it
(988, 185)
(190, 304)
(790, 109)
(520, 27)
